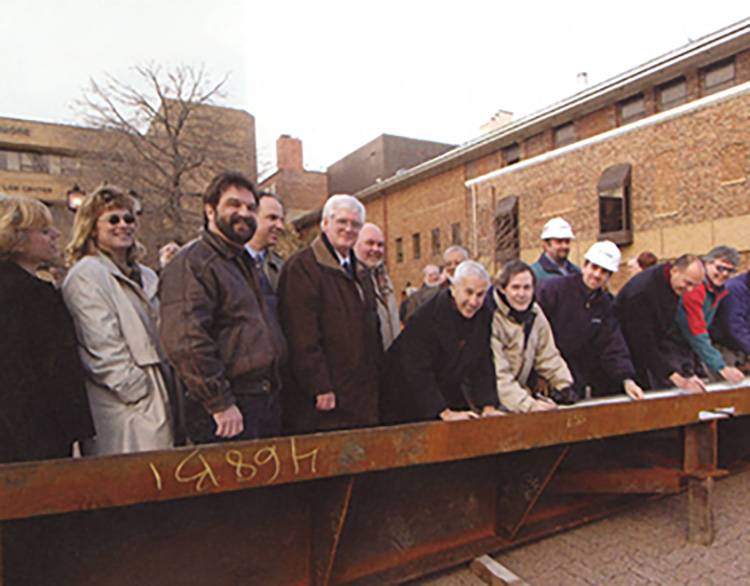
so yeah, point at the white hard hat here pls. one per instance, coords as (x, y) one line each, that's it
(604, 254)
(557, 228)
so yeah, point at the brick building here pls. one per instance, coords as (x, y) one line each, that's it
(47, 161)
(379, 159)
(301, 190)
(656, 159)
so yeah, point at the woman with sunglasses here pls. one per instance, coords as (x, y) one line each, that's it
(42, 394)
(113, 302)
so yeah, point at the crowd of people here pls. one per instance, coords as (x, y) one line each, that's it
(230, 341)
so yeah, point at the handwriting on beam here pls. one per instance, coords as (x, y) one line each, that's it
(264, 466)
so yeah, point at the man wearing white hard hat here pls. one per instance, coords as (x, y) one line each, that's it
(556, 237)
(586, 331)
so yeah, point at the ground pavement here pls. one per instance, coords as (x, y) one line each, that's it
(646, 545)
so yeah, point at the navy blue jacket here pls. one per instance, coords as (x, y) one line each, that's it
(587, 334)
(645, 309)
(731, 325)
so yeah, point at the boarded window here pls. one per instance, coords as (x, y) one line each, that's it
(436, 242)
(672, 94)
(614, 205)
(565, 135)
(416, 245)
(507, 237)
(512, 153)
(632, 109)
(718, 76)
(456, 233)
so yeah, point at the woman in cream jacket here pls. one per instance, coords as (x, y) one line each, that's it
(521, 341)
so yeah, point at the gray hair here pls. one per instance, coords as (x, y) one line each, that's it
(336, 202)
(456, 248)
(427, 267)
(469, 268)
(725, 253)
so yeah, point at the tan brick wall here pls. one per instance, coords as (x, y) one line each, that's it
(596, 122)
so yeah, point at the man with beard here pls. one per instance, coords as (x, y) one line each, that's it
(216, 328)
(553, 262)
(370, 250)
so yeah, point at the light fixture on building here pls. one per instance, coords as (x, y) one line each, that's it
(138, 201)
(75, 198)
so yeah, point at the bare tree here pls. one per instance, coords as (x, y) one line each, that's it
(165, 137)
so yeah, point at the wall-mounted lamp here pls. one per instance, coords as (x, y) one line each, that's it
(75, 198)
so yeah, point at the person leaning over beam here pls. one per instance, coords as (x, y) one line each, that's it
(697, 308)
(440, 367)
(522, 342)
(585, 327)
(645, 308)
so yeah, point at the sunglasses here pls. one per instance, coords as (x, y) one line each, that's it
(725, 270)
(115, 219)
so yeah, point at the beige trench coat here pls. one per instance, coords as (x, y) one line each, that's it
(513, 362)
(118, 334)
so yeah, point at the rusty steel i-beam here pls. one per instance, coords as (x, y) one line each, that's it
(368, 506)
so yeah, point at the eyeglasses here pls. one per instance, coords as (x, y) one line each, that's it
(725, 270)
(115, 219)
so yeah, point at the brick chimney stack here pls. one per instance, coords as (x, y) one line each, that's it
(289, 153)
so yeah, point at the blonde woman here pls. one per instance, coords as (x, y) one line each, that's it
(113, 302)
(43, 405)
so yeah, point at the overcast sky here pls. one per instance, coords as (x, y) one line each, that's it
(338, 74)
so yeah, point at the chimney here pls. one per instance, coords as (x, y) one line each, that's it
(289, 153)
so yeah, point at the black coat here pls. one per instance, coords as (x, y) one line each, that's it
(43, 402)
(645, 308)
(429, 369)
(586, 333)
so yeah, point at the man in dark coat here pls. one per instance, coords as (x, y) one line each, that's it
(731, 327)
(645, 308)
(585, 328)
(440, 367)
(330, 320)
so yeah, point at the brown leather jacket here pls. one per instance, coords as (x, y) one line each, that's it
(214, 324)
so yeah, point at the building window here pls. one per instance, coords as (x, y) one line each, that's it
(10, 160)
(34, 163)
(456, 233)
(565, 135)
(632, 109)
(399, 250)
(70, 166)
(672, 94)
(614, 205)
(416, 245)
(512, 153)
(507, 237)
(436, 248)
(718, 76)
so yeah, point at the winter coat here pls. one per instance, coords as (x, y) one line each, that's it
(43, 403)
(516, 354)
(390, 325)
(587, 334)
(645, 308)
(695, 312)
(545, 268)
(429, 368)
(731, 325)
(330, 321)
(117, 325)
(214, 324)
(416, 299)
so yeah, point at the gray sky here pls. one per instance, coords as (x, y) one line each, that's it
(336, 74)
